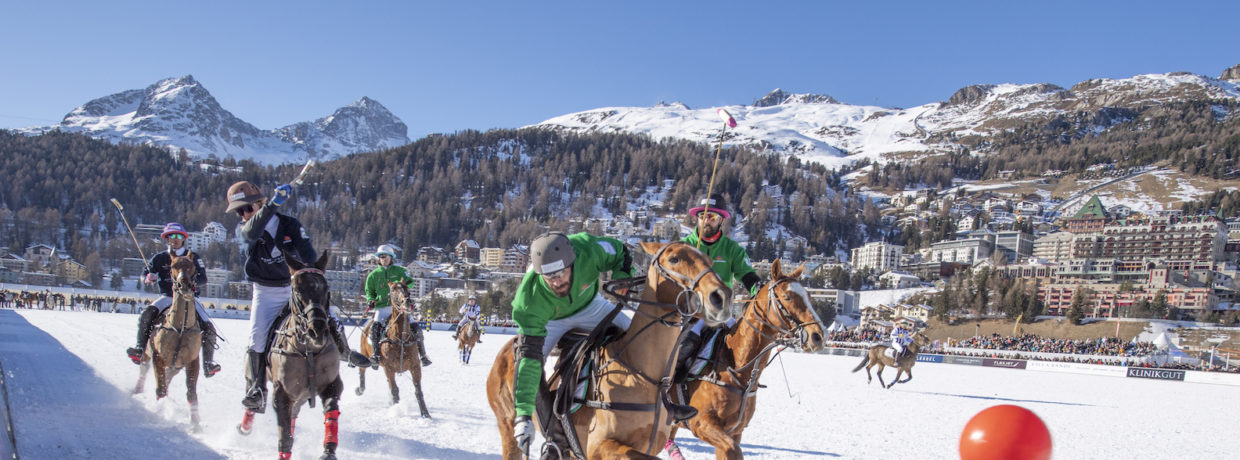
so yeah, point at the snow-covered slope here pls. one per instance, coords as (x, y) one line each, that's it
(180, 113)
(820, 129)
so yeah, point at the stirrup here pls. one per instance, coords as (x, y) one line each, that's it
(374, 361)
(425, 361)
(135, 354)
(551, 451)
(256, 400)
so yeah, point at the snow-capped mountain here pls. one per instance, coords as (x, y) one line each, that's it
(181, 114)
(819, 128)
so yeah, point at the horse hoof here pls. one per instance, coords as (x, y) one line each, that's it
(195, 428)
(328, 456)
(359, 391)
(426, 414)
(242, 430)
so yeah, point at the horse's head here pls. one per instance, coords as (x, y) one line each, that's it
(681, 275)
(183, 272)
(784, 305)
(311, 297)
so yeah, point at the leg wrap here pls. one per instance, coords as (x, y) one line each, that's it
(331, 427)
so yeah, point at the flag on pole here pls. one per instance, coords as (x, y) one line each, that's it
(726, 117)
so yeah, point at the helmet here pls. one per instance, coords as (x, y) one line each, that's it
(551, 253)
(172, 228)
(243, 193)
(386, 250)
(473, 297)
(714, 204)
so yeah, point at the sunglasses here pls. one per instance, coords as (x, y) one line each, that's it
(709, 216)
(246, 210)
(176, 236)
(557, 273)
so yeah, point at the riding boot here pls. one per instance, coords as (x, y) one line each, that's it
(678, 412)
(346, 354)
(209, 366)
(255, 381)
(376, 340)
(684, 356)
(421, 338)
(144, 333)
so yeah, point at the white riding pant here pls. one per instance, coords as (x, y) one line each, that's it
(698, 325)
(164, 302)
(265, 306)
(586, 319)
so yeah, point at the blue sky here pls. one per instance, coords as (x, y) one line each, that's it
(446, 66)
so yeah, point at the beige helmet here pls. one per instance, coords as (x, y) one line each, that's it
(243, 193)
(551, 253)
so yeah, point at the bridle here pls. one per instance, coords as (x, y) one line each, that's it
(688, 289)
(789, 331)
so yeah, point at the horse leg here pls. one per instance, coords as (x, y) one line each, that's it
(331, 416)
(284, 418)
(161, 377)
(191, 395)
(909, 373)
(392, 388)
(881, 383)
(416, 374)
(610, 448)
(361, 380)
(896, 379)
(143, 368)
(709, 428)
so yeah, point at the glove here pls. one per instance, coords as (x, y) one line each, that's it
(371, 305)
(523, 431)
(151, 278)
(281, 195)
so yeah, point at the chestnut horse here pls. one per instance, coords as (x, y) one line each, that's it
(726, 393)
(632, 372)
(304, 362)
(467, 338)
(877, 356)
(177, 341)
(399, 349)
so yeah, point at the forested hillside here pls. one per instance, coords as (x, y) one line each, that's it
(497, 187)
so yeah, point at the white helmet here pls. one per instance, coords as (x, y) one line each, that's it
(386, 250)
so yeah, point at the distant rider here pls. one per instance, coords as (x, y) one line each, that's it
(378, 291)
(174, 236)
(900, 338)
(469, 312)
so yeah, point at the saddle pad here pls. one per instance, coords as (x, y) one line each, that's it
(890, 353)
(574, 370)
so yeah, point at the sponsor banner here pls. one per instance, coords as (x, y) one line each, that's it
(1004, 363)
(1215, 378)
(929, 358)
(844, 351)
(1075, 368)
(1152, 373)
(966, 360)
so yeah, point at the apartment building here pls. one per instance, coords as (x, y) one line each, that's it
(878, 255)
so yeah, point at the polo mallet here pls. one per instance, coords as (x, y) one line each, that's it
(121, 210)
(728, 122)
(302, 174)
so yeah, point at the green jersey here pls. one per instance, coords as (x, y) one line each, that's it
(377, 283)
(534, 303)
(730, 260)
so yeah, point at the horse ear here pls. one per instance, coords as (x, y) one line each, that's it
(796, 274)
(776, 270)
(651, 247)
(293, 262)
(322, 262)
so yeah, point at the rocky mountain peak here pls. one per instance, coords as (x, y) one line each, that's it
(779, 96)
(1232, 73)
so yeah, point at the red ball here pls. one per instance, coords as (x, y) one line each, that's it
(1005, 432)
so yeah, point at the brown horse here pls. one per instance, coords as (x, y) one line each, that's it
(877, 356)
(631, 371)
(467, 338)
(726, 394)
(305, 362)
(177, 341)
(399, 349)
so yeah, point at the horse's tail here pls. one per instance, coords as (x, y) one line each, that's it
(864, 360)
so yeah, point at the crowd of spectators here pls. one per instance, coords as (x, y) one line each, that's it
(1104, 346)
(1092, 351)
